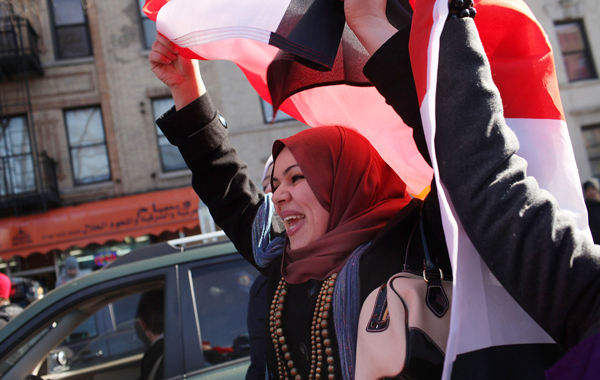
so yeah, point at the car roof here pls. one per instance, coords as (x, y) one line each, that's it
(169, 247)
(139, 264)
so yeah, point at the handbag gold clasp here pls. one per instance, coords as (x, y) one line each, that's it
(425, 275)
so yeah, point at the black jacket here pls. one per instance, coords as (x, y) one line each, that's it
(258, 315)
(532, 247)
(152, 355)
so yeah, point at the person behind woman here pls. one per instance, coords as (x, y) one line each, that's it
(8, 311)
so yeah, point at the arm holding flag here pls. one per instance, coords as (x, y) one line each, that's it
(219, 177)
(532, 246)
(182, 75)
(368, 21)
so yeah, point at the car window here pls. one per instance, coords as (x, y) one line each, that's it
(124, 311)
(86, 330)
(108, 335)
(221, 294)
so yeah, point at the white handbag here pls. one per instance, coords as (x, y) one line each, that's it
(403, 326)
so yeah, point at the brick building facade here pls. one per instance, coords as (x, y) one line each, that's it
(92, 112)
(573, 28)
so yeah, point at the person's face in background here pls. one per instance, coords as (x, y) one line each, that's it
(591, 194)
(304, 218)
(72, 272)
(266, 183)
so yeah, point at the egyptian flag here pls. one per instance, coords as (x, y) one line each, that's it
(300, 56)
(485, 320)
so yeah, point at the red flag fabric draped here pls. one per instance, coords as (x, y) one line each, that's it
(268, 38)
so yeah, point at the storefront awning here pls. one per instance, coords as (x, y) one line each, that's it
(99, 222)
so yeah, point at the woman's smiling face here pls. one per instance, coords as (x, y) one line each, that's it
(304, 218)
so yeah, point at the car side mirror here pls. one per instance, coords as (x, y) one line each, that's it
(58, 361)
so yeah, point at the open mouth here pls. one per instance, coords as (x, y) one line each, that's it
(293, 221)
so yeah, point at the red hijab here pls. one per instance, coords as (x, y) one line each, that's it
(354, 184)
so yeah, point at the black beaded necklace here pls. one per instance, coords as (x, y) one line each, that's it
(319, 334)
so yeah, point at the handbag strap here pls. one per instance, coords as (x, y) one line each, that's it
(430, 265)
(436, 298)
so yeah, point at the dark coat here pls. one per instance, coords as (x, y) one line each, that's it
(154, 353)
(8, 313)
(202, 138)
(593, 209)
(258, 313)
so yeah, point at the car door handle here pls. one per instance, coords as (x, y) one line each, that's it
(87, 355)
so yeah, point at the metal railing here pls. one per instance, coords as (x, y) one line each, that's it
(19, 48)
(21, 190)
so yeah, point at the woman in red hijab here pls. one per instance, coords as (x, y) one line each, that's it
(346, 224)
(335, 194)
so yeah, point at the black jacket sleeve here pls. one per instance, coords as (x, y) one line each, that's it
(389, 69)
(530, 245)
(219, 177)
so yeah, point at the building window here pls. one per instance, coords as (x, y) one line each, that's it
(71, 32)
(575, 50)
(268, 113)
(170, 157)
(17, 173)
(148, 28)
(591, 137)
(87, 145)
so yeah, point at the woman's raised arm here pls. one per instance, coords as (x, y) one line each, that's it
(368, 21)
(219, 177)
(182, 75)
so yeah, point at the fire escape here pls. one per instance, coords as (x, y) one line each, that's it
(28, 181)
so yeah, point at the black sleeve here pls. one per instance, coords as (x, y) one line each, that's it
(219, 177)
(398, 85)
(389, 69)
(530, 245)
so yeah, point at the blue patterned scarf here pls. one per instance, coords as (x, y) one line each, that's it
(346, 295)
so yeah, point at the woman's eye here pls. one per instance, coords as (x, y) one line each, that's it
(297, 178)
